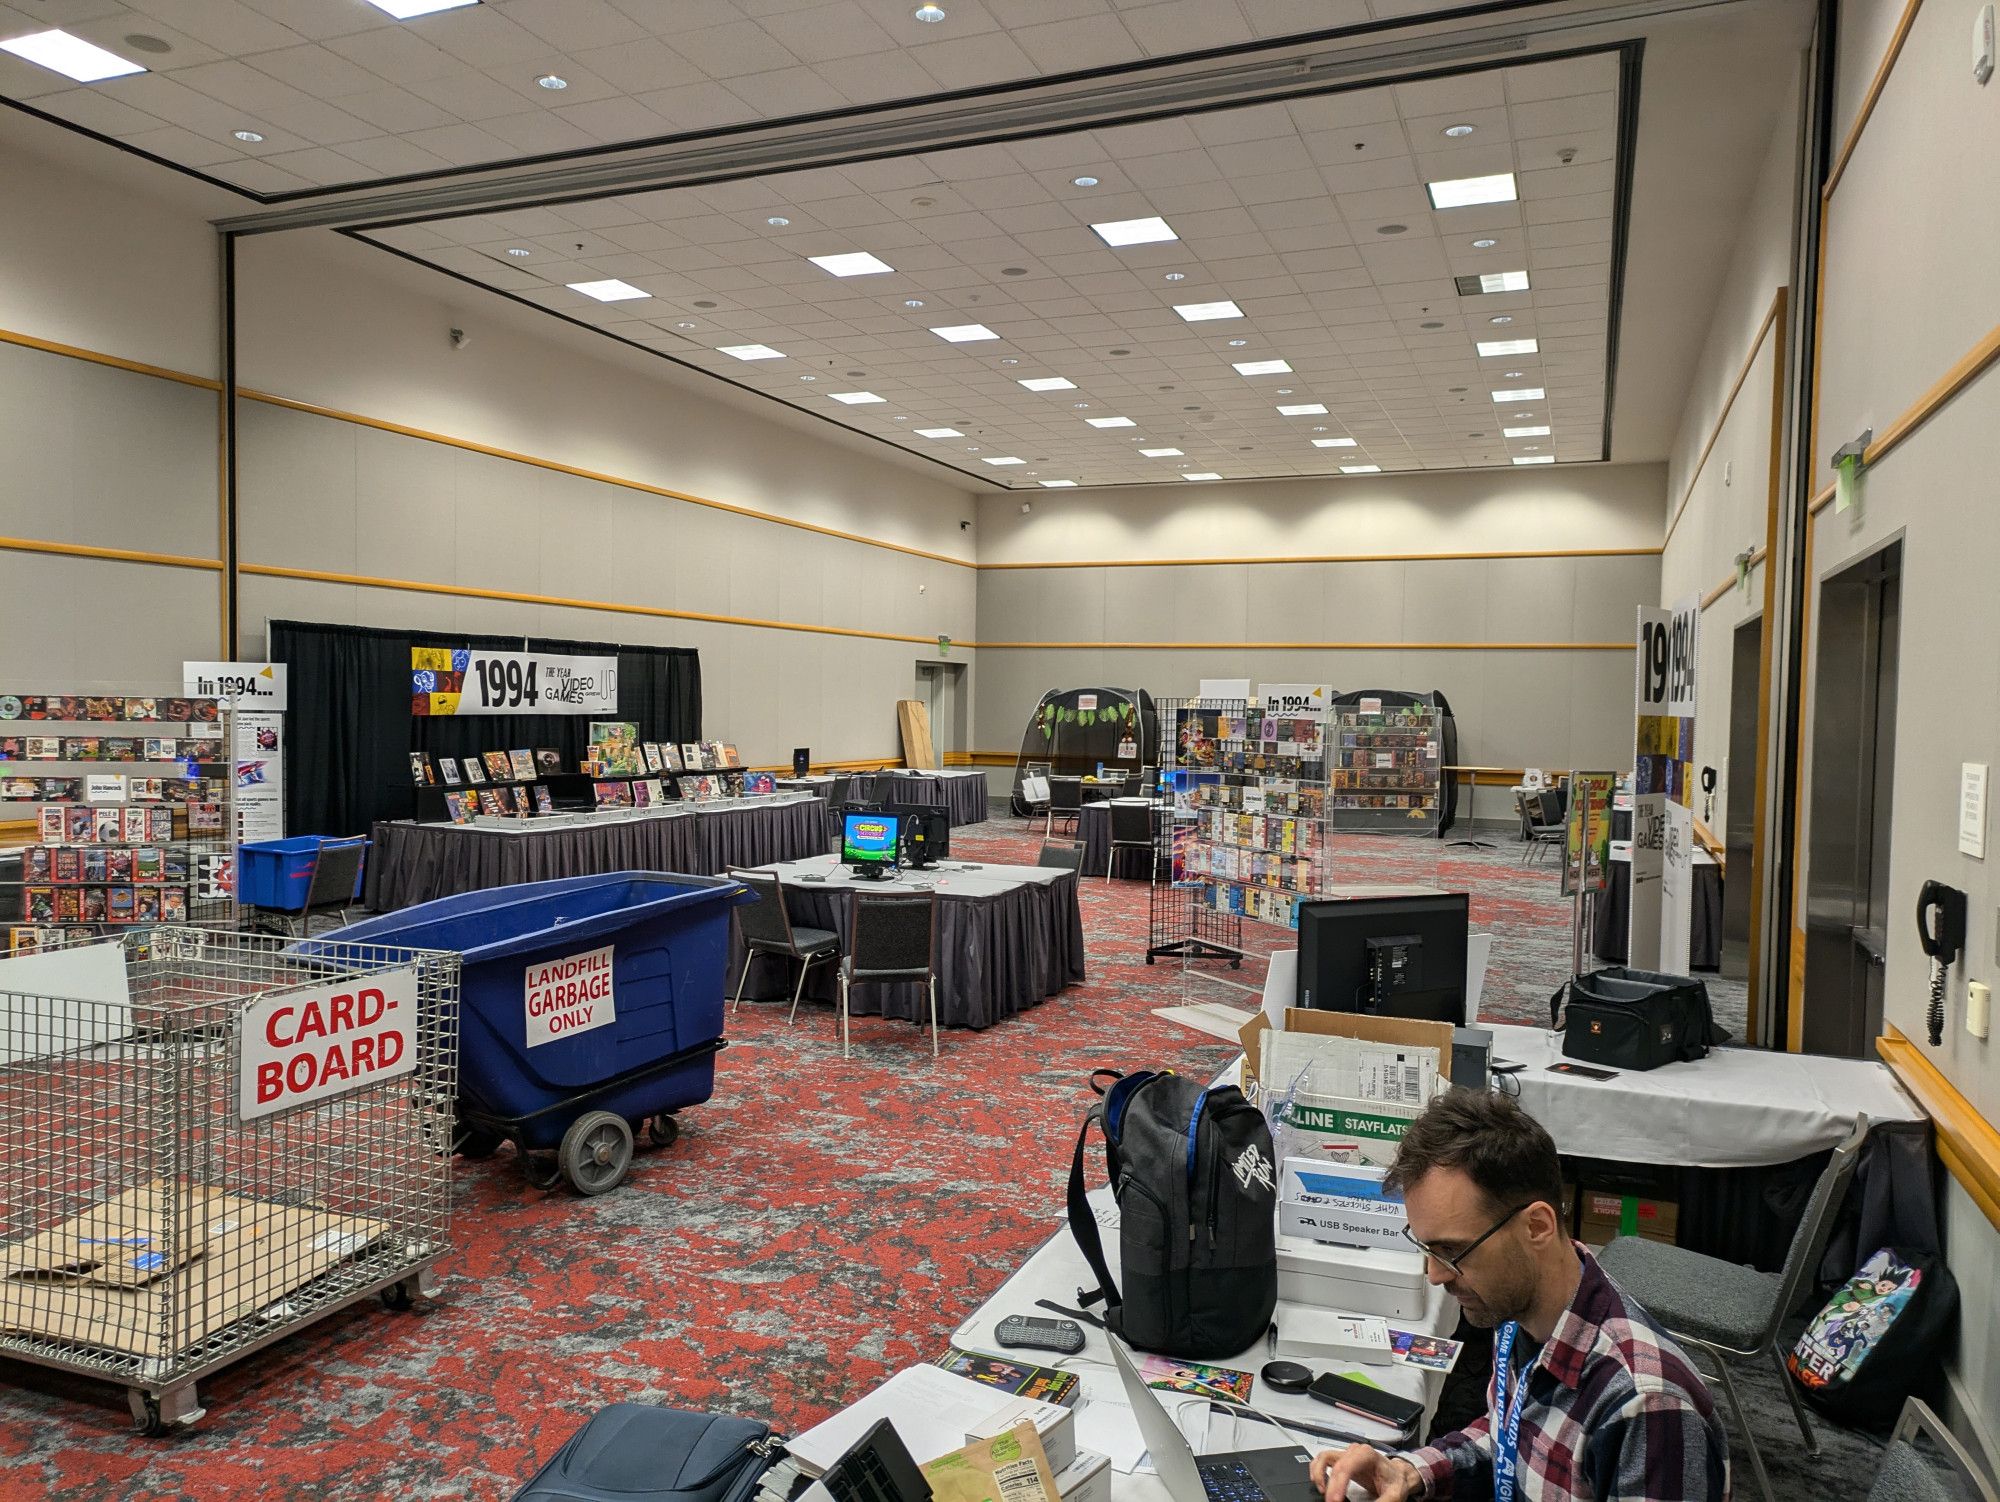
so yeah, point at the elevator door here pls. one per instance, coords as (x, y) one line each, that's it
(1853, 772)
(1740, 791)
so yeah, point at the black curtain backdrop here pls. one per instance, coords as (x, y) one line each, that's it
(350, 731)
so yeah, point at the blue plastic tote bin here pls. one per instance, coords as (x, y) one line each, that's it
(587, 1006)
(278, 873)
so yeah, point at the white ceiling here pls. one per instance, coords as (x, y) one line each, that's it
(1278, 207)
(343, 94)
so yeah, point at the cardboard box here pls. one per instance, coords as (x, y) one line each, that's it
(1433, 1035)
(1308, 1334)
(1055, 1424)
(1085, 1479)
(1340, 1203)
(1604, 1218)
(1353, 1280)
(109, 1276)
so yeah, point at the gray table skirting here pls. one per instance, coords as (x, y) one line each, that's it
(962, 798)
(996, 956)
(412, 863)
(1093, 826)
(1609, 939)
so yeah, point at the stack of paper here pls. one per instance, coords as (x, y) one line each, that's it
(933, 1411)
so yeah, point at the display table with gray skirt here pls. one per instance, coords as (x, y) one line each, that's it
(412, 863)
(1608, 939)
(1008, 938)
(960, 791)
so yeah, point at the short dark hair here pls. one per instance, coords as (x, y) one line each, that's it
(1504, 1151)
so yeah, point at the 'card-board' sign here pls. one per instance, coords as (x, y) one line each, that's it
(304, 1046)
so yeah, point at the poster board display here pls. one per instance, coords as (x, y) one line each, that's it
(1661, 916)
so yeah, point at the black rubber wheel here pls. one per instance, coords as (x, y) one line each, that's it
(1236, 964)
(596, 1152)
(398, 1296)
(1149, 959)
(663, 1130)
(542, 1170)
(475, 1144)
(150, 1427)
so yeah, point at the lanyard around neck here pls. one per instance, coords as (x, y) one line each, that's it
(1506, 1414)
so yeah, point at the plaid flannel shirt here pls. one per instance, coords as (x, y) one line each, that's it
(1613, 1410)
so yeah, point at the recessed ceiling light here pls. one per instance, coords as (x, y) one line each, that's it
(252, 137)
(856, 398)
(1431, 324)
(1490, 347)
(852, 263)
(1524, 394)
(972, 448)
(1083, 182)
(1484, 244)
(1080, 406)
(1514, 375)
(1463, 192)
(1319, 427)
(1008, 460)
(929, 14)
(777, 221)
(1361, 469)
(899, 417)
(750, 351)
(1539, 431)
(1134, 231)
(1013, 271)
(1504, 281)
(1059, 484)
(1111, 422)
(518, 252)
(1176, 276)
(1238, 343)
(1537, 459)
(140, 41)
(404, 10)
(1010, 360)
(609, 290)
(1531, 448)
(1392, 229)
(1284, 391)
(1456, 131)
(71, 56)
(1303, 409)
(1334, 443)
(1160, 453)
(1501, 318)
(809, 378)
(965, 333)
(1524, 414)
(551, 81)
(689, 326)
(701, 302)
(1207, 474)
(1048, 383)
(913, 302)
(1262, 367)
(939, 433)
(1202, 312)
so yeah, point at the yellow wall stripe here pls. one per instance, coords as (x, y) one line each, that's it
(116, 362)
(1318, 646)
(1651, 552)
(113, 555)
(1966, 1140)
(1868, 101)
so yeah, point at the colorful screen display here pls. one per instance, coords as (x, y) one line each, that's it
(868, 839)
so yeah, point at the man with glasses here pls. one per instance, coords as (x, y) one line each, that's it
(1589, 1399)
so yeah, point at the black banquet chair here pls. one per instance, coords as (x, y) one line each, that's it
(1906, 1474)
(890, 939)
(1131, 829)
(1060, 855)
(330, 889)
(1065, 802)
(767, 928)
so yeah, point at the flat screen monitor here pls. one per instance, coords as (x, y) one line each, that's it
(1389, 956)
(924, 830)
(868, 838)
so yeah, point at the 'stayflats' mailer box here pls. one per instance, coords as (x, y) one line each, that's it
(1354, 1280)
(234, 1257)
(1398, 1030)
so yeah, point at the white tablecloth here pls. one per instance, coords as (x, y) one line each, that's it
(1737, 1108)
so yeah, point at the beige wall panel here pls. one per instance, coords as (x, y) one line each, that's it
(295, 486)
(1443, 600)
(1286, 601)
(499, 516)
(1608, 594)
(1531, 599)
(406, 507)
(1364, 601)
(83, 625)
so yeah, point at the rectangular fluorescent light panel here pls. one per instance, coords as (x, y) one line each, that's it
(612, 290)
(985, 460)
(1463, 192)
(404, 10)
(1202, 312)
(1524, 394)
(750, 351)
(1160, 453)
(1058, 484)
(1049, 383)
(856, 398)
(1134, 232)
(855, 263)
(1207, 474)
(1262, 367)
(1303, 409)
(1537, 459)
(1540, 432)
(1492, 281)
(70, 56)
(965, 333)
(1333, 443)
(939, 433)
(1361, 469)
(1111, 422)
(1492, 347)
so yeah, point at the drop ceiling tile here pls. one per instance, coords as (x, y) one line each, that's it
(233, 29)
(1575, 114)
(464, 95)
(698, 106)
(178, 145)
(396, 54)
(635, 67)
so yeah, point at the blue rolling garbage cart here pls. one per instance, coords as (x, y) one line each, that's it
(588, 1007)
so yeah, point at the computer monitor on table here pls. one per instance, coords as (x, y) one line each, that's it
(868, 841)
(925, 832)
(1388, 956)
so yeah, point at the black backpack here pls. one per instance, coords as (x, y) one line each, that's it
(1197, 1189)
(1877, 1339)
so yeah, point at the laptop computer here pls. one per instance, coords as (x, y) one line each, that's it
(1274, 1475)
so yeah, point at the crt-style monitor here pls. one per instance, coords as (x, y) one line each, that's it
(868, 840)
(1389, 956)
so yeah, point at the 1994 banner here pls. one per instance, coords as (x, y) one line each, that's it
(455, 681)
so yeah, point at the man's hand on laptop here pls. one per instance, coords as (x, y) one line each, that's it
(1361, 1471)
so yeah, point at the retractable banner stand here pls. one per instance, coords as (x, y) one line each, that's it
(256, 695)
(1662, 910)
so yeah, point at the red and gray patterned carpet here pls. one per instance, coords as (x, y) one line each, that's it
(819, 1224)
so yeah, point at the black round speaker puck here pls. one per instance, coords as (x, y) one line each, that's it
(1286, 1376)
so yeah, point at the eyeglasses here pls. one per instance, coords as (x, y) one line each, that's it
(1456, 1260)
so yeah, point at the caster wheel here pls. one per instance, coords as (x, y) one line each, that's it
(397, 1296)
(146, 1414)
(596, 1152)
(475, 1144)
(663, 1130)
(1149, 959)
(542, 1170)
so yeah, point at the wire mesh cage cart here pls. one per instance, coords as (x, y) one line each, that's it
(208, 1140)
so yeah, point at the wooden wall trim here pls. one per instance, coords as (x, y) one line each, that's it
(1310, 646)
(1966, 1141)
(1263, 560)
(1869, 99)
(614, 607)
(556, 466)
(116, 362)
(1773, 317)
(112, 555)
(1756, 561)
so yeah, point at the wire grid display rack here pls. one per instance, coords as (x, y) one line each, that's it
(1386, 767)
(155, 1224)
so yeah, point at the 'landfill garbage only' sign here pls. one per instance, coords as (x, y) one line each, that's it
(570, 995)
